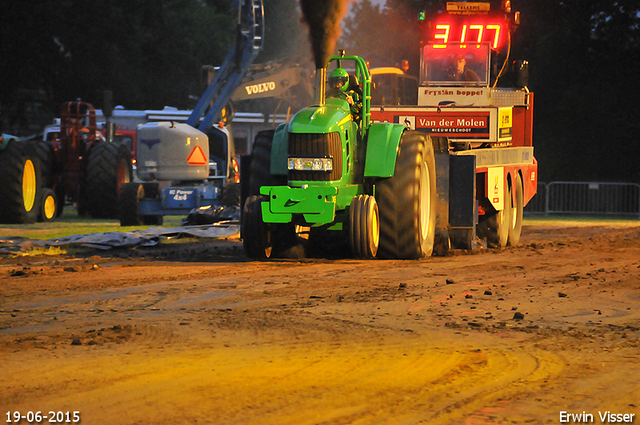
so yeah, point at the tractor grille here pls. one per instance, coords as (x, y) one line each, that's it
(316, 146)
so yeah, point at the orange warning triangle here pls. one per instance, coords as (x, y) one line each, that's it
(197, 157)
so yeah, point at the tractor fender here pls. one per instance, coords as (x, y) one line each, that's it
(279, 149)
(383, 140)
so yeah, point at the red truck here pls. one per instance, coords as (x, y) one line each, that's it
(473, 98)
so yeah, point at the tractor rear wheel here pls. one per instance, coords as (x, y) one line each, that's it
(407, 201)
(44, 152)
(20, 184)
(108, 168)
(364, 226)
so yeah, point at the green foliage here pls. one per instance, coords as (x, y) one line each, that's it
(149, 52)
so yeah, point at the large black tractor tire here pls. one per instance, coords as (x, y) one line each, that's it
(108, 168)
(230, 194)
(266, 240)
(261, 164)
(19, 184)
(364, 226)
(515, 230)
(257, 241)
(407, 201)
(43, 150)
(48, 205)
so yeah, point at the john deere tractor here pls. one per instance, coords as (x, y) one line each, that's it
(333, 171)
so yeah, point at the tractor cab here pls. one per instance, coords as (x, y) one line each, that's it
(455, 64)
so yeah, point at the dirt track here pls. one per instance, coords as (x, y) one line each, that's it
(193, 332)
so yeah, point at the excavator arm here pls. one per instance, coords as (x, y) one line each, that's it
(249, 42)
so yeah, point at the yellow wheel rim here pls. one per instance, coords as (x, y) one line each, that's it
(375, 225)
(49, 207)
(29, 185)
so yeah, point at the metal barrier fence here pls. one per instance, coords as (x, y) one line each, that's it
(586, 198)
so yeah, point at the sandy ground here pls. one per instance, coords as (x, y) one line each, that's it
(196, 333)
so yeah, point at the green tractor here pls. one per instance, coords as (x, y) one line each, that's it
(332, 171)
(19, 182)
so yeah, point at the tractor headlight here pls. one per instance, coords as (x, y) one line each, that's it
(311, 164)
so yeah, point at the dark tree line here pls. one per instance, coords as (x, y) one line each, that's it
(584, 59)
(146, 51)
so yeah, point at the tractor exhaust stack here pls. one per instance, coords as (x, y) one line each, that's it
(320, 91)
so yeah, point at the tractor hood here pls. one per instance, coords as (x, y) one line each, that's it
(321, 119)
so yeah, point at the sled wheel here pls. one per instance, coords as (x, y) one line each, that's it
(364, 226)
(407, 201)
(497, 226)
(108, 168)
(516, 220)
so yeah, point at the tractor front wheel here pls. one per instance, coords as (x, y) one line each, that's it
(265, 240)
(48, 206)
(364, 226)
(256, 239)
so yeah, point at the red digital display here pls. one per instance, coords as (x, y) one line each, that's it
(468, 32)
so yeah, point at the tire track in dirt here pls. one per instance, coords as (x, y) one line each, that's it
(275, 374)
(331, 342)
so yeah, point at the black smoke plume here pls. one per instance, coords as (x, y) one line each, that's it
(323, 18)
